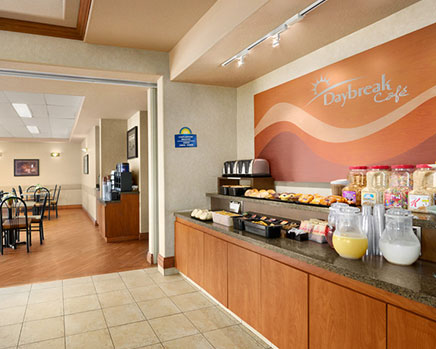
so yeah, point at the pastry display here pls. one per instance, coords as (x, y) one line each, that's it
(203, 215)
(313, 199)
(306, 198)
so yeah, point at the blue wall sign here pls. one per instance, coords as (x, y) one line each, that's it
(185, 138)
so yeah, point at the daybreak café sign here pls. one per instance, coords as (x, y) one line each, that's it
(381, 91)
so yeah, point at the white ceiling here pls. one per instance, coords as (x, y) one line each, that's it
(53, 114)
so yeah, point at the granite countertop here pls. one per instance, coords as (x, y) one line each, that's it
(424, 220)
(416, 282)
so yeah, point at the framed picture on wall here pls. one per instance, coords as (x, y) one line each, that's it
(26, 167)
(132, 143)
(86, 164)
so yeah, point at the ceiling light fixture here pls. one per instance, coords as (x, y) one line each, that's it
(33, 129)
(274, 34)
(241, 61)
(22, 110)
(276, 40)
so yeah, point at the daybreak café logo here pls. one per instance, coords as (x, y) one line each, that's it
(381, 91)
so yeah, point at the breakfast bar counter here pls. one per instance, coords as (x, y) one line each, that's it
(279, 285)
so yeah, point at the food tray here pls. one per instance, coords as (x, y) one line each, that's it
(238, 191)
(223, 219)
(224, 190)
(239, 222)
(271, 231)
(291, 202)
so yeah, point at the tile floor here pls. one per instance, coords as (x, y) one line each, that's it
(134, 309)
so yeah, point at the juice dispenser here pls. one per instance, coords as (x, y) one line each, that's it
(421, 197)
(332, 220)
(398, 242)
(348, 239)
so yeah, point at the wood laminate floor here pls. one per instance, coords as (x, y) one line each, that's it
(73, 247)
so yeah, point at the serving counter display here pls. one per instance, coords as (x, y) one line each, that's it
(303, 295)
(119, 220)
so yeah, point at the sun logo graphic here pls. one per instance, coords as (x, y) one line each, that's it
(323, 81)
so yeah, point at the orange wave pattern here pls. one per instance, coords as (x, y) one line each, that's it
(389, 142)
(395, 63)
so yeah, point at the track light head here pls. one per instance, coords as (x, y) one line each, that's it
(241, 61)
(276, 40)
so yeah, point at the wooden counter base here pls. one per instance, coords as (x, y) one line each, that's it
(294, 304)
(119, 220)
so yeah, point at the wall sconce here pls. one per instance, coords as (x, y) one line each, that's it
(55, 154)
(85, 150)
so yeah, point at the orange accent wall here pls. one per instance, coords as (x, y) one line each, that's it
(384, 98)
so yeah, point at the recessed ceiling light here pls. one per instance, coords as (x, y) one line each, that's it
(22, 110)
(33, 129)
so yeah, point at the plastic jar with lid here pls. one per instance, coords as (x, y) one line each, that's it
(357, 181)
(377, 181)
(421, 197)
(400, 183)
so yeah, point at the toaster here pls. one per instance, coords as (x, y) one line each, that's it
(246, 168)
(229, 168)
(252, 168)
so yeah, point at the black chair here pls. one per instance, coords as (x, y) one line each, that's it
(14, 220)
(14, 192)
(38, 220)
(54, 203)
(29, 192)
(20, 190)
(37, 207)
(53, 197)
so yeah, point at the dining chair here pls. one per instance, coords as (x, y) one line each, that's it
(37, 198)
(38, 220)
(14, 192)
(20, 190)
(29, 193)
(54, 203)
(14, 220)
(53, 197)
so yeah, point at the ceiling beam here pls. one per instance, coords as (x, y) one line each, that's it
(29, 27)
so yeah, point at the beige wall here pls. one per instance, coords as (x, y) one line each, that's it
(64, 170)
(112, 145)
(401, 23)
(186, 174)
(89, 181)
(139, 166)
(190, 173)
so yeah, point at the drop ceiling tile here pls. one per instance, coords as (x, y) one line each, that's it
(63, 100)
(38, 110)
(62, 112)
(7, 111)
(23, 97)
(40, 122)
(19, 131)
(12, 122)
(4, 132)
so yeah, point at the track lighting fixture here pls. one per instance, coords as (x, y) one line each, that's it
(274, 34)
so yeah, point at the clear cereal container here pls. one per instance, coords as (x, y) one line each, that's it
(400, 183)
(377, 181)
(421, 197)
(357, 181)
